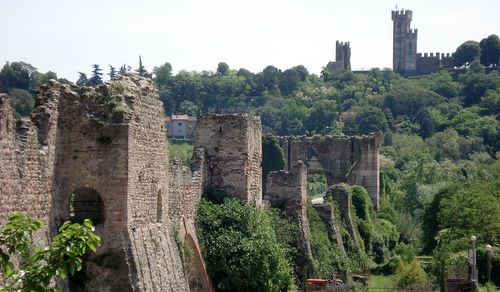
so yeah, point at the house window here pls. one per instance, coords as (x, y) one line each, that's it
(179, 124)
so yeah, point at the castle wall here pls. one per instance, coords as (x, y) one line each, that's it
(353, 160)
(109, 140)
(27, 156)
(428, 63)
(287, 190)
(233, 152)
(186, 188)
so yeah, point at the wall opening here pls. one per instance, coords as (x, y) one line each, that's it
(159, 207)
(316, 185)
(85, 203)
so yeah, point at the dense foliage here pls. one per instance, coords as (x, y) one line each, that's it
(28, 267)
(242, 250)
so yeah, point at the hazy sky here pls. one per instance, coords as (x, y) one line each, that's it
(69, 36)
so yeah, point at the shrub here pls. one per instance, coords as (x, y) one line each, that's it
(410, 275)
(328, 260)
(26, 267)
(241, 248)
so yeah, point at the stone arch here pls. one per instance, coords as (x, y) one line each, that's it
(86, 203)
(313, 161)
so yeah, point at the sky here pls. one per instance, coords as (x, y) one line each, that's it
(68, 36)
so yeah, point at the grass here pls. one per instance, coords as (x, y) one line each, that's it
(381, 283)
(182, 150)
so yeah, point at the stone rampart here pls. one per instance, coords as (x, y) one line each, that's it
(106, 145)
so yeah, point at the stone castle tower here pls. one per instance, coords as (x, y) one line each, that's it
(343, 54)
(342, 58)
(404, 51)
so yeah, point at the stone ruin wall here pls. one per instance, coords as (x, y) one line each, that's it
(27, 155)
(287, 190)
(70, 142)
(186, 185)
(233, 152)
(352, 160)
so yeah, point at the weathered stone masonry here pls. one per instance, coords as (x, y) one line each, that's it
(352, 160)
(233, 153)
(110, 140)
(287, 190)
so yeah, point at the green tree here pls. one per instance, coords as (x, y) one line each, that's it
(272, 156)
(242, 250)
(474, 209)
(475, 86)
(112, 72)
(82, 79)
(16, 74)
(163, 75)
(37, 79)
(371, 119)
(96, 78)
(189, 108)
(141, 69)
(26, 267)
(490, 50)
(22, 101)
(424, 119)
(322, 116)
(222, 68)
(466, 53)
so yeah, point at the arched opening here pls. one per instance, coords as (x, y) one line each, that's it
(85, 203)
(316, 178)
(159, 207)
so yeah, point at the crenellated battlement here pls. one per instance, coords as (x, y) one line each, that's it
(338, 43)
(401, 14)
(438, 56)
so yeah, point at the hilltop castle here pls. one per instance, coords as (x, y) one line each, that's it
(342, 58)
(405, 59)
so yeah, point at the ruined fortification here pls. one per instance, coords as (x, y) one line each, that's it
(102, 153)
(233, 150)
(352, 160)
(287, 190)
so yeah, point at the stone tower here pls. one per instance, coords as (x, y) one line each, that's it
(342, 61)
(404, 51)
(343, 54)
